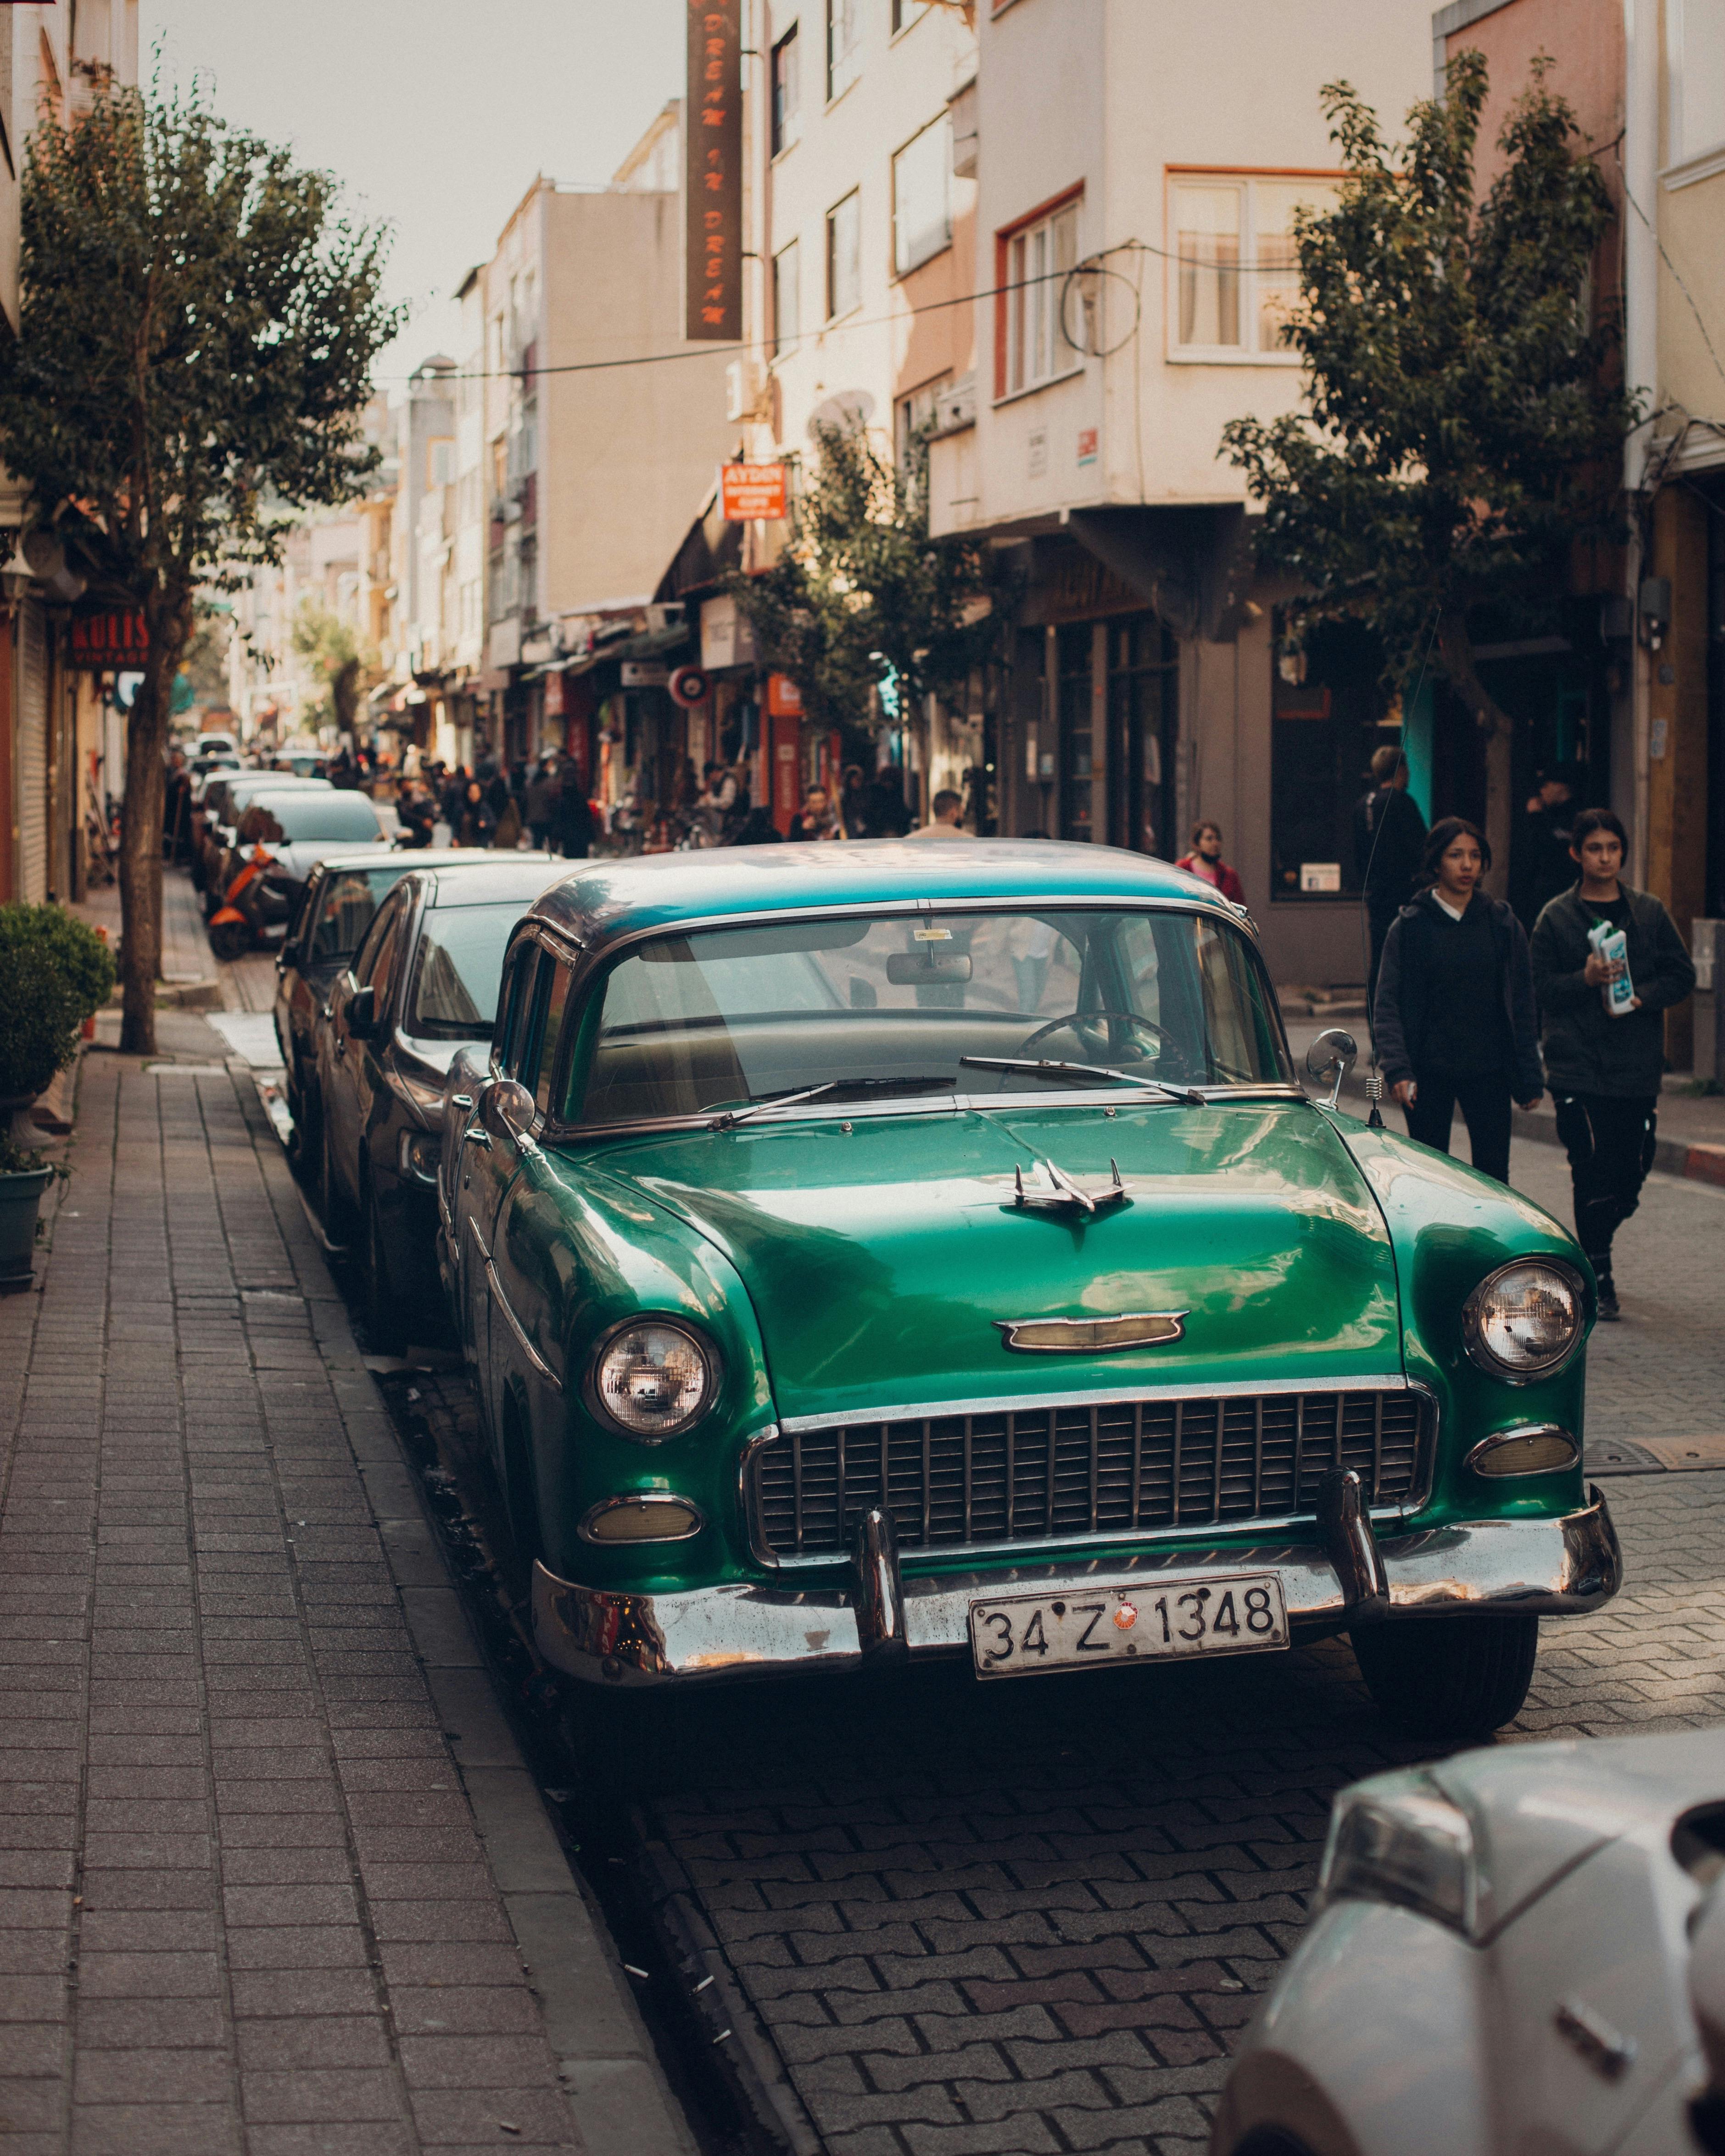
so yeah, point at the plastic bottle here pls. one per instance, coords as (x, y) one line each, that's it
(1619, 996)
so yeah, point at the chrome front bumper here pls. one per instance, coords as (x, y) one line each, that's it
(1555, 1566)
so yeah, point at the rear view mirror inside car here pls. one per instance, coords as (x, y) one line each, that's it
(913, 969)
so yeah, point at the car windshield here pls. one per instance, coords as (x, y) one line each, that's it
(893, 1005)
(350, 898)
(312, 814)
(455, 975)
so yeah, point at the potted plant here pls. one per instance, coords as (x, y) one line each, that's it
(54, 973)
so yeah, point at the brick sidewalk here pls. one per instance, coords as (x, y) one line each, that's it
(244, 1904)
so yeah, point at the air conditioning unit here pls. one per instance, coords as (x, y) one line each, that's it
(742, 389)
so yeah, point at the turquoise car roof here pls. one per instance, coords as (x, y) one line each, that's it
(602, 899)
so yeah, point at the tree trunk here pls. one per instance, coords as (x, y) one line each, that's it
(1494, 723)
(168, 620)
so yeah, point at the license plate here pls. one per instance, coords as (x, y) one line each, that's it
(1019, 1635)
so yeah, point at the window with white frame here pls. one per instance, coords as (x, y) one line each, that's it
(844, 45)
(787, 298)
(906, 12)
(922, 197)
(1038, 262)
(1695, 60)
(1235, 271)
(844, 256)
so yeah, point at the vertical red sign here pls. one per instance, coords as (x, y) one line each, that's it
(712, 169)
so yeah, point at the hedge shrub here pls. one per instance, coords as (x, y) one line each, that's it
(54, 972)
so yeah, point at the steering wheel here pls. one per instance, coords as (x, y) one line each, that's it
(1082, 1021)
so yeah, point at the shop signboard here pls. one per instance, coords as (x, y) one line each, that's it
(712, 304)
(644, 673)
(787, 798)
(98, 641)
(726, 637)
(748, 493)
(784, 699)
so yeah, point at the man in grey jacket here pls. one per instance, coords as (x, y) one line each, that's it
(1604, 1072)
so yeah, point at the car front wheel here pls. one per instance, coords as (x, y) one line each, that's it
(1462, 1674)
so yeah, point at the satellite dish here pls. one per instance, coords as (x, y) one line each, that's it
(846, 409)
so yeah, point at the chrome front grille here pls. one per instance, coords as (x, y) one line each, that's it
(1109, 1467)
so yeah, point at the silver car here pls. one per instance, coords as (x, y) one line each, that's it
(1514, 1950)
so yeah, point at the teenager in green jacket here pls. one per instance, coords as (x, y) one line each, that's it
(1604, 1072)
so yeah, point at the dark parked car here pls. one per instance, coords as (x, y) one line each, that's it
(422, 986)
(335, 910)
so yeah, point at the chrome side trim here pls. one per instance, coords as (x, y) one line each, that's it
(1033, 1403)
(541, 1366)
(758, 1550)
(1555, 1567)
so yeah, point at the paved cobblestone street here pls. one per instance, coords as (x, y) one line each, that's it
(1033, 1919)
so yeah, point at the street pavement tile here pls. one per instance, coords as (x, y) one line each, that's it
(315, 2040)
(152, 2077)
(309, 2095)
(121, 1975)
(32, 1953)
(166, 2129)
(411, 1962)
(376, 2137)
(29, 2106)
(267, 1995)
(150, 2024)
(540, 2118)
(31, 2048)
(452, 2009)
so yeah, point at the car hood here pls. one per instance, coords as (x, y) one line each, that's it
(882, 1257)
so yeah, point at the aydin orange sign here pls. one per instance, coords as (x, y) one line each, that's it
(748, 492)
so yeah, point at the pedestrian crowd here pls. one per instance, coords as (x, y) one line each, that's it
(1470, 1011)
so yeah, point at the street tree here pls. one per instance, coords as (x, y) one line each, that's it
(864, 596)
(334, 649)
(1464, 412)
(198, 326)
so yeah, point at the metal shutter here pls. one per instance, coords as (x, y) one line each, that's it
(33, 752)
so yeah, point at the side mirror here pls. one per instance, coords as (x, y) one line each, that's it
(1334, 1051)
(362, 1014)
(506, 1110)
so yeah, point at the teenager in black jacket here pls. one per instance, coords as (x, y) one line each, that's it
(1454, 1017)
(1605, 1071)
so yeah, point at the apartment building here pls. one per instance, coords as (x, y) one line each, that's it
(1137, 175)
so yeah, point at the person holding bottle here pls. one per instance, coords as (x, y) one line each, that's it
(1454, 1016)
(1605, 1068)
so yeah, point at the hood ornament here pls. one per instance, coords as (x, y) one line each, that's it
(1092, 1336)
(1065, 1195)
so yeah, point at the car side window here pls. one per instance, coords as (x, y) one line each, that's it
(516, 1005)
(365, 965)
(387, 970)
(551, 1001)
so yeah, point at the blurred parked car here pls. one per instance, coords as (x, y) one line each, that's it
(335, 906)
(279, 839)
(423, 984)
(215, 823)
(1501, 1961)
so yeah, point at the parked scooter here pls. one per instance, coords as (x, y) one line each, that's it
(256, 905)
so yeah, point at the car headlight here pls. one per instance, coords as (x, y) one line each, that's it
(1400, 1840)
(653, 1378)
(1522, 1320)
(418, 1154)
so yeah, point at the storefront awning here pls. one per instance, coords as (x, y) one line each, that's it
(646, 643)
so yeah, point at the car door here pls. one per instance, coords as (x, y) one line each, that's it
(342, 1071)
(523, 1348)
(484, 1166)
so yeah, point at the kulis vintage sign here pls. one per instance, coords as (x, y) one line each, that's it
(98, 641)
(712, 305)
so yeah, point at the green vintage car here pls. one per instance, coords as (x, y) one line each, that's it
(907, 1248)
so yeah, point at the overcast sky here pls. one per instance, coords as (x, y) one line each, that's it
(434, 115)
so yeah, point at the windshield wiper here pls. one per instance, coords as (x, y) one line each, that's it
(1046, 1070)
(758, 1103)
